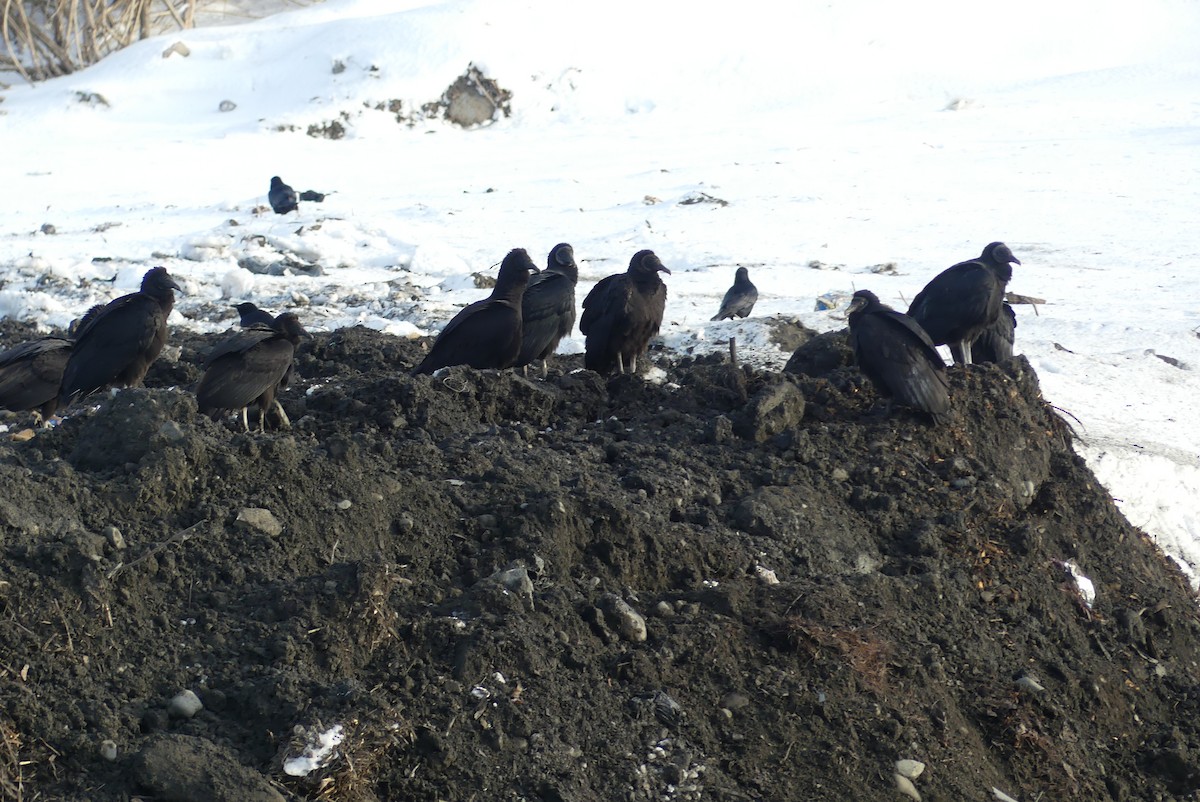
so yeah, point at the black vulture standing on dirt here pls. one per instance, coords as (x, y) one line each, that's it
(487, 333)
(283, 198)
(251, 315)
(30, 375)
(548, 307)
(115, 345)
(250, 367)
(621, 313)
(995, 343)
(963, 300)
(897, 356)
(740, 298)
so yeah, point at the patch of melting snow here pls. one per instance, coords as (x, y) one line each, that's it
(316, 754)
(1087, 589)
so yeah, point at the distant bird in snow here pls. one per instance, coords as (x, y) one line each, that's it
(283, 198)
(621, 313)
(740, 298)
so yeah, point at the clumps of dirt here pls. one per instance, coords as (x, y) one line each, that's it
(734, 583)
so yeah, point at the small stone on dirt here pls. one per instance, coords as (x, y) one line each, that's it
(626, 621)
(260, 520)
(184, 704)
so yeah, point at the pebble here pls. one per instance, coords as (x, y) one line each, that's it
(734, 700)
(184, 704)
(1028, 683)
(226, 105)
(260, 520)
(906, 787)
(515, 580)
(626, 621)
(839, 475)
(910, 768)
(664, 609)
(345, 504)
(108, 750)
(114, 537)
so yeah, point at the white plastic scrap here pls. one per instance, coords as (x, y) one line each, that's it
(1087, 590)
(1000, 795)
(316, 753)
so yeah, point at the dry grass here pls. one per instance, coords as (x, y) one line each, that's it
(47, 38)
(12, 776)
(864, 652)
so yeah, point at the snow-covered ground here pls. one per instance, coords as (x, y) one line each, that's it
(850, 136)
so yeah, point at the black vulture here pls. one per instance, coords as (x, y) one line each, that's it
(30, 375)
(487, 333)
(963, 300)
(250, 367)
(116, 344)
(283, 198)
(897, 356)
(548, 306)
(740, 298)
(621, 313)
(251, 315)
(995, 343)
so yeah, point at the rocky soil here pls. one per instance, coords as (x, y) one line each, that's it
(734, 584)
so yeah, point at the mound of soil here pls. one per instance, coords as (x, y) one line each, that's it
(732, 584)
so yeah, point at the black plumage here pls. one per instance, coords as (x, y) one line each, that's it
(487, 333)
(283, 198)
(740, 298)
(896, 354)
(251, 315)
(995, 343)
(963, 300)
(621, 313)
(548, 306)
(313, 195)
(31, 373)
(249, 368)
(115, 345)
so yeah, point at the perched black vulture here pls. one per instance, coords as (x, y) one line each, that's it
(621, 313)
(250, 367)
(487, 333)
(116, 344)
(995, 343)
(740, 298)
(251, 315)
(963, 300)
(548, 306)
(30, 375)
(283, 198)
(897, 356)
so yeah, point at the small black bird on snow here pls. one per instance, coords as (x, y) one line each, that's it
(740, 298)
(283, 198)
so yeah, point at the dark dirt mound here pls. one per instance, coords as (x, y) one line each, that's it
(736, 584)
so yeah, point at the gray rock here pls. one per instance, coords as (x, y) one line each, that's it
(624, 620)
(772, 411)
(184, 704)
(260, 520)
